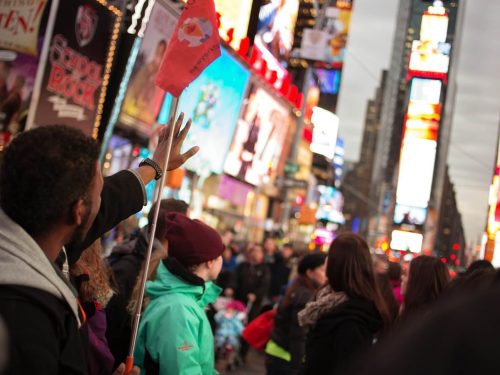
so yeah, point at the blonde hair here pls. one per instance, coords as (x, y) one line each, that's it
(98, 287)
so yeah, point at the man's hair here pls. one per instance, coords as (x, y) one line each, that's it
(44, 172)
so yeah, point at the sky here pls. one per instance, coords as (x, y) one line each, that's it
(477, 109)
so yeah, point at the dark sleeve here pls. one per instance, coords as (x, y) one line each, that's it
(297, 337)
(122, 196)
(33, 344)
(264, 283)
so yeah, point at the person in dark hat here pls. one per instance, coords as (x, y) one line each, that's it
(175, 335)
(285, 350)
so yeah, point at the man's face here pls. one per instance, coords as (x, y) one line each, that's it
(92, 203)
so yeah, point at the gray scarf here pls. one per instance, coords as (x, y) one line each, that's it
(326, 300)
(23, 263)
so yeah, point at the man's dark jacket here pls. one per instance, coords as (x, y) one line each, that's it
(42, 329)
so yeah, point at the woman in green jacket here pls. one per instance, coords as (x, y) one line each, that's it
(175, 335)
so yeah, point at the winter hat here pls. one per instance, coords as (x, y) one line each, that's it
(191, 242)
(236, 305)
(310, 262)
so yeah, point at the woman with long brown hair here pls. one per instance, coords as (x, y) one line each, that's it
(285, 350)
(348, 314)
(422, 284)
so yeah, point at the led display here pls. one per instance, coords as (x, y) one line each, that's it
(416, 172)
(426, 90)
(406, 241)
(406, 215)
(434, 28)
(428, 56)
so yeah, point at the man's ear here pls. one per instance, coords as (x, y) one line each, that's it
(78, 212)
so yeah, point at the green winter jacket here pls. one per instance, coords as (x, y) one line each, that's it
(174, 328)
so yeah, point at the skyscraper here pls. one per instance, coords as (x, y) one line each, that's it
(409, 170)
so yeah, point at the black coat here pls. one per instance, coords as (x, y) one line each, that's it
(287, 332)
(460, 336)
(280, 273)
(340, 336)
(43, 333)
(249, 278)
(126, 269)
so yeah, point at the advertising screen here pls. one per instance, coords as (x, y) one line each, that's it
(258, 140)
(276, 26)
(326, 127)
(425, 90)
(427, 56)
(330, 204)
(421, 129)
(416, 172)
(434, 28)
(143, 99)
(328, 80)
(213, 102)
(405, 215)
(424, 111)
(406, 241)
(234, 15)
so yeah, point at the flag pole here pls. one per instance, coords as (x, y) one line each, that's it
(129, 364)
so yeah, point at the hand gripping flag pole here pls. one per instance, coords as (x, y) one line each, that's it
(195, 43)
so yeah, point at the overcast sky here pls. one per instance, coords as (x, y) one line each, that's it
(477, 109)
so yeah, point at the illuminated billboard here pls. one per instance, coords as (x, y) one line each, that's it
(276, 26)
(434, 27)
(328, 80)
(406, 215)
(234, 15)
(213, 102)
(406, 241)
(326, 127)
(421, 129)
(428, 56)
(424, 111)
(259, 137)
(426, 90)
(416, 171)
(144, 99)
(330, 204)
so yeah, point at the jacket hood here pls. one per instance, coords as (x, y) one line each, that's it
(23, 263)
(167, 283)
(358, 310)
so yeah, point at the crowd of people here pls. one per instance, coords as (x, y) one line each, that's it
(67, 309)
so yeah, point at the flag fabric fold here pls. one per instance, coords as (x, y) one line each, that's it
(194, 45)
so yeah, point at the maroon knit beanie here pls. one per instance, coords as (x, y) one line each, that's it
(191, 242)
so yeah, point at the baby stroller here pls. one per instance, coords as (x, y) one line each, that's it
(230, 321)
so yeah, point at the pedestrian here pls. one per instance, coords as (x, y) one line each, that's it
(90, 275)
(270, 249)
(251, 281)
(348, 314)
(394, 274)
(127, 261)
(175, 336)
(426, 278)
(480, 264)
(458, 336)
(53, 196)
(285, 351)
(381, 270)
(280, 272)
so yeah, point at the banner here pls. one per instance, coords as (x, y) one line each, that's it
(19, 24)
(194, 45)
(72, 83)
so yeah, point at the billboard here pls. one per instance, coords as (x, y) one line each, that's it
(328, 80)
(213, 102)
(425, 90)
(406, 241)
(143, 99)
(276, 26)
(81, 53)
(234, 15)
(424, 111)
(429, 56)
(330, 204)
(406, 215)
(416, 171)
(259, 137)
(328, 44)
(326, 127)
(434, 27)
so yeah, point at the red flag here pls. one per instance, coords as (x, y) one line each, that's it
(193, 46)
